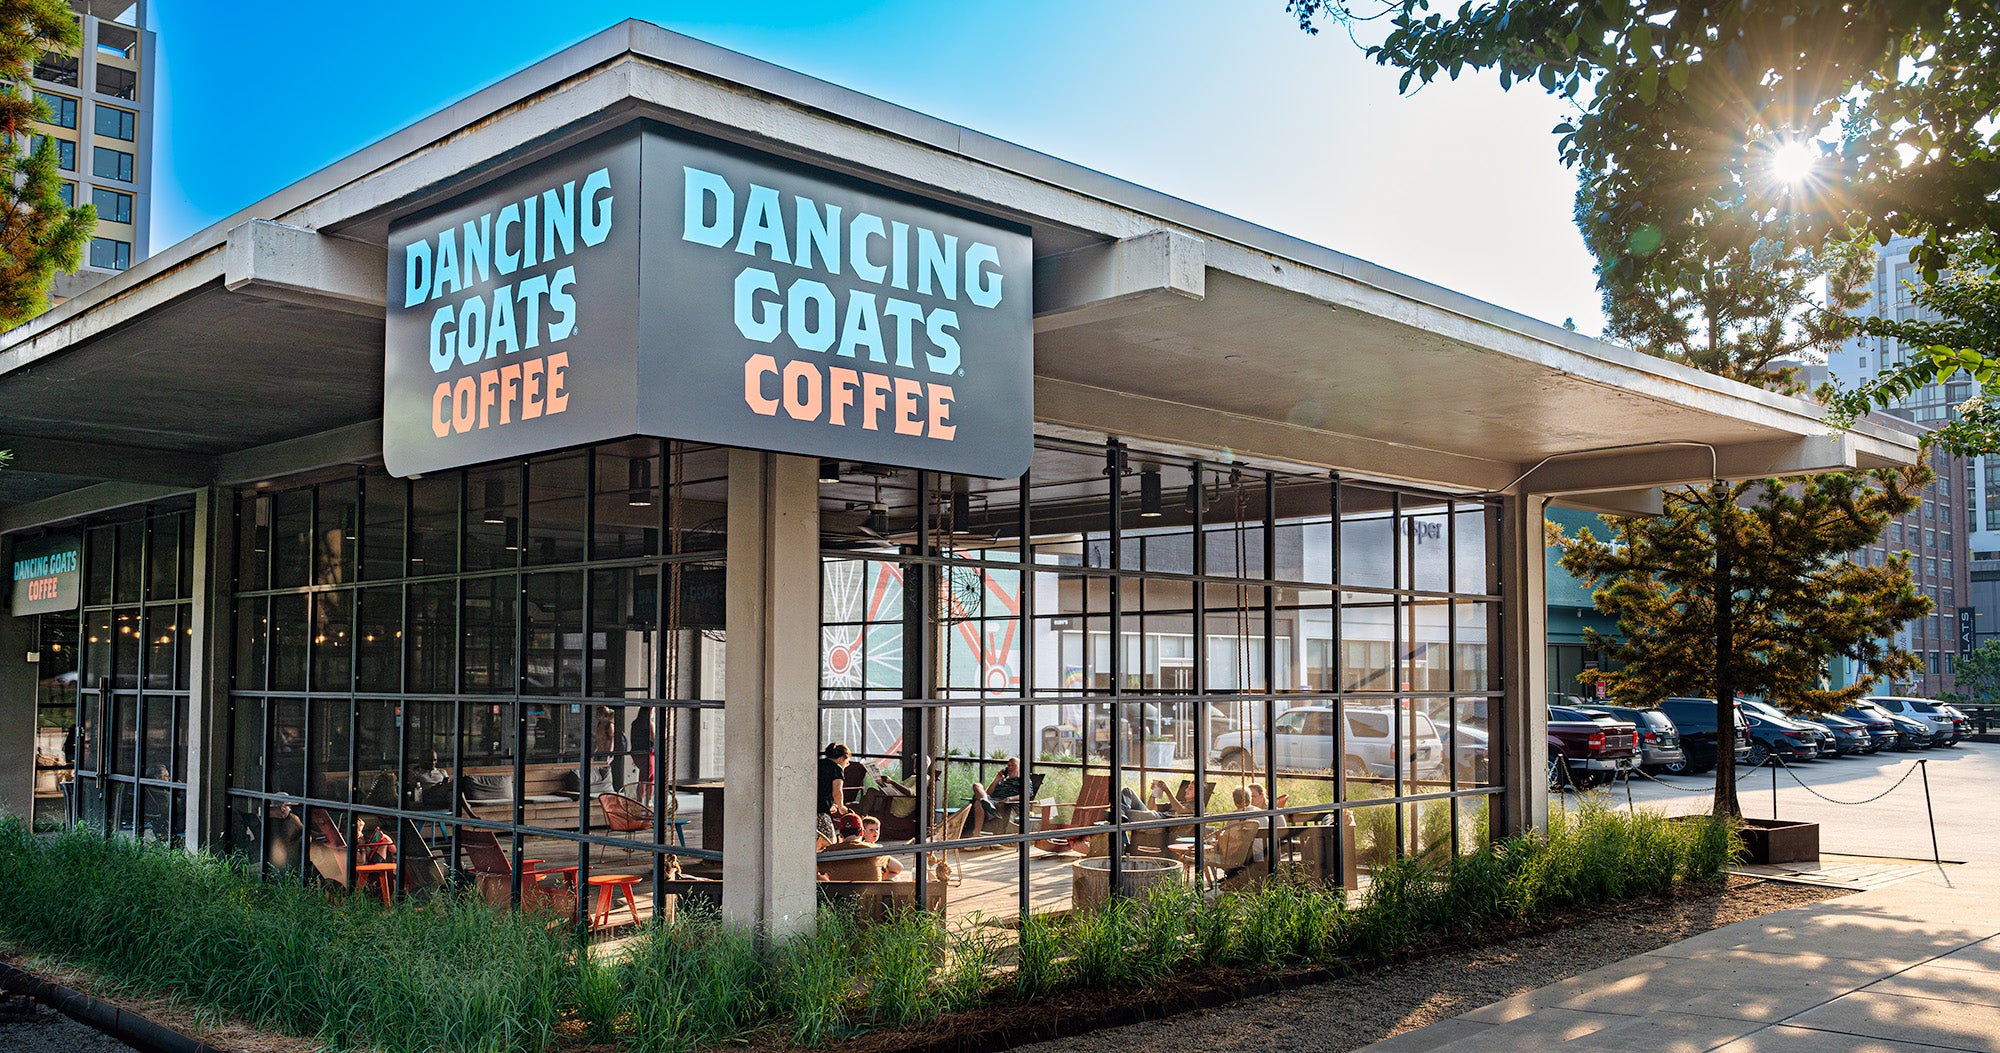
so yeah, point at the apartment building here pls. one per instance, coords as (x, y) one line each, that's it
(1954, 539)
(100, 116)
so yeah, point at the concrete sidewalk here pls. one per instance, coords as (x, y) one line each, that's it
(1911, 966)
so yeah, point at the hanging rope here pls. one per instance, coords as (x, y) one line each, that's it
(1242, 545)
(670, 733)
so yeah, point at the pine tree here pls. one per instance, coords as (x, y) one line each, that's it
(1776, 552)
(39, 235)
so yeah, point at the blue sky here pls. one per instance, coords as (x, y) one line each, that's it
(1223, 102)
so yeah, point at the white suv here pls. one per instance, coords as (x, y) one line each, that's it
(1923, 711)
(1305, 743)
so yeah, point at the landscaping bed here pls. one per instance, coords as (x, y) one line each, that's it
(450, 973)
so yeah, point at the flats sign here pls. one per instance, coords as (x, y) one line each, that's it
(652, 282)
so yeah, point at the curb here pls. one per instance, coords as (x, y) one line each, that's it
(122, 1024)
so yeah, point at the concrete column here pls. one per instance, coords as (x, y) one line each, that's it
(18, 677)
(208, 681)
(1524, 597)
(771, 692)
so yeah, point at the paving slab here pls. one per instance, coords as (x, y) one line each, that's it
(1934, 980)
(1931, 1021)
(1743, 985)
(1787, 1039)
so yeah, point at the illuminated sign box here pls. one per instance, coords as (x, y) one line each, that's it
(653, 282)
(46, 575)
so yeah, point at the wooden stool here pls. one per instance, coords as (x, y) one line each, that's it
(379, 873)
(606, 884)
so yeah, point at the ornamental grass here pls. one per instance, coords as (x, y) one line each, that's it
(448, 972)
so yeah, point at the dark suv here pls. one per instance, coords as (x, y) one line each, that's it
(1695, 719)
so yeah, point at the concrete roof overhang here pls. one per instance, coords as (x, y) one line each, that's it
(256, 345)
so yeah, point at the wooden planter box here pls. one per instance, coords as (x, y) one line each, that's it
(1779, 841)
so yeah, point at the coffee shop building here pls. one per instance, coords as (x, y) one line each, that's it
(529, 498)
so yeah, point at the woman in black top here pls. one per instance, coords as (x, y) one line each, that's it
(832, 788)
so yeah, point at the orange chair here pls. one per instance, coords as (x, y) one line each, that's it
(495, 871)
(627, 816)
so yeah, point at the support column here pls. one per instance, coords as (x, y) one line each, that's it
(208, 680)
(771, 692)
(1524, 753)
(18, 678)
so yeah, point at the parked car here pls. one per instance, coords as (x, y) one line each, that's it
(1586, 750)
(1961, 724)
(1779, 738)
(1882, 733)
(1305, 743)
(1923, 710)
(1821, 739)
(1912, 734)
(1849, 736)
(1659, 740)
(1694, 719)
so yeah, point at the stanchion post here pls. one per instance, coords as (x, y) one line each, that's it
(1774, 760)
(1923, 768)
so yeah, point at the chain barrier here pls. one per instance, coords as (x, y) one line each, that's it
(1921, 764)
(1914, 767)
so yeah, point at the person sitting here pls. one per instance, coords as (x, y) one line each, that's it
(998, 799)
(871, 835)
(1167, 802)
(1246, 799)
(848, 826)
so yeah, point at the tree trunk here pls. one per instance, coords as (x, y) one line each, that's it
(1725, 651)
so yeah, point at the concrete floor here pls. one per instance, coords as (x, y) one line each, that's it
(1909, 965)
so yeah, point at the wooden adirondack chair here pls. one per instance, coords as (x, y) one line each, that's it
(1093, 805)
(495, 871)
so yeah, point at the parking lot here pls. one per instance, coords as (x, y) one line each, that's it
(1962, 782)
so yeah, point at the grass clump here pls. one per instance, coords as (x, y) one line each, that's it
(451, 972)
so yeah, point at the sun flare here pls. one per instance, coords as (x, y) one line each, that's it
(1794, 162)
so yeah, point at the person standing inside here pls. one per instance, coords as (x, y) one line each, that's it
(642, 752)
(832, 789)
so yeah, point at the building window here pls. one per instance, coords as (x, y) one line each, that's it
(137, 630)
(1896, 533)
(114, 39)
(106, 163)
(112, 205)
(56, 69)
(1930, 564)
(110, 255)
(67, 191)
(65, 151)
(116, 82)
(62, 109)
(501, 632)
(115, 123)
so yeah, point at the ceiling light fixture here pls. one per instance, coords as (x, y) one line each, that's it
(639, 483)
(1149, 493)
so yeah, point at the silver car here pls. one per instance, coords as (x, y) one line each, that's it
(1925, 712)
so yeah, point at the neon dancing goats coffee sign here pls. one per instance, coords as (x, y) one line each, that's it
(654, 283)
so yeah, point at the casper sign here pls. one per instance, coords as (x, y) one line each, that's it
(652, 282)
(46, 578)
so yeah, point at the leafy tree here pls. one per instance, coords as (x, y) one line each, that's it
(1961, 333)
(1708, 126)
(1774, 553)
(39, 235)
(1978, 676)
(1738, 315)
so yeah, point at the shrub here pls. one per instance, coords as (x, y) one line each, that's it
(450, 972)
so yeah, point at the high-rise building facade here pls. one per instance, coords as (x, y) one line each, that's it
(1954, 539)
(100, 116)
